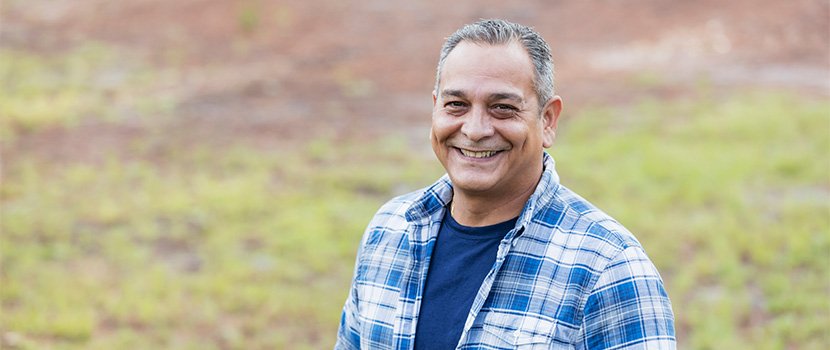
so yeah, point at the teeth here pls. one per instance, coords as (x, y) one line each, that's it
(482, 154)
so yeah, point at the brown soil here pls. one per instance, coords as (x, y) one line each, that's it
(274, 71)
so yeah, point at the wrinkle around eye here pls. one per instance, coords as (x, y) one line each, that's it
(502, 106)
(455, 107)
(456, 104)
(504, 113)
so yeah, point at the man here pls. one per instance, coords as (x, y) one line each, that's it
(497, 254)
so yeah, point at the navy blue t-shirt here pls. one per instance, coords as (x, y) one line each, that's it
(461, 259)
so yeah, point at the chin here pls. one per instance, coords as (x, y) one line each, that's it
(472, 183)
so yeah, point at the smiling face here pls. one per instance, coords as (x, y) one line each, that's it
(488, 130)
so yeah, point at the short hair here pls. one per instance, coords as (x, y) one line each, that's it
(501, 32)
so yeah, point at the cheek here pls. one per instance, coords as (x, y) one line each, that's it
(434, 141)
(517, 134)
(437, 139)
(443, 127)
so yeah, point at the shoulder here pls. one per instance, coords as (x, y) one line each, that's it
(572, 220)
(389, 225)
(393, 212)
(622, 285)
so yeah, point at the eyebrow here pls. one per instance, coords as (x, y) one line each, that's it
(506, 96)
(452, 93)
(495, 96)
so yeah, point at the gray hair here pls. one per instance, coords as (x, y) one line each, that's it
(501, 32)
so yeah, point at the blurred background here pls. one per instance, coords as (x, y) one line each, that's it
(196, 174)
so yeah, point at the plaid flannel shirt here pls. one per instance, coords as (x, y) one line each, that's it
(568, 276)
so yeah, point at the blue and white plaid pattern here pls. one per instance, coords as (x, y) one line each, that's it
(568, 276)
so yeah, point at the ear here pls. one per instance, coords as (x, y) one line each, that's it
(550, 118)
(434, 98)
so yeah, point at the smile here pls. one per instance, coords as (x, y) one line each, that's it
(478, 154)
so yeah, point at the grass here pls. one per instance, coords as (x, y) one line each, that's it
(203, 248)
(253, 249)
(89, 81)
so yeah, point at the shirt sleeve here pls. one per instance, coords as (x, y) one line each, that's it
(628, 307)
(348, 334)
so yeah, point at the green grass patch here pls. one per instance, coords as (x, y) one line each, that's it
(90, 81)
(238, 249)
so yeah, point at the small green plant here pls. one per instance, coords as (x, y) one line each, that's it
(249, 16)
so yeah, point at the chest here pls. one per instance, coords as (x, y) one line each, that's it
(532, 298)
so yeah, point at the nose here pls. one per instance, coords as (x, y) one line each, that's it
(477, 124)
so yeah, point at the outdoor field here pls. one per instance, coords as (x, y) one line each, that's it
(197, 174)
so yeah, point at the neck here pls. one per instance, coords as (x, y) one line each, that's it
(476, 210)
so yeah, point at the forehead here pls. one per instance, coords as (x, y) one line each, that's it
(480, 67)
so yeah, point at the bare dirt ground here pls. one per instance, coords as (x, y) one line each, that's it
(268, 72)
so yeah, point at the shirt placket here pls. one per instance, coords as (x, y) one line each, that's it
(421, 254)
(504, 248)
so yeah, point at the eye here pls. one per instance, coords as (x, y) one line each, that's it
(455, 107)
(505, 109)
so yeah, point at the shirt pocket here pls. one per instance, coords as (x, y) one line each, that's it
(521, 332)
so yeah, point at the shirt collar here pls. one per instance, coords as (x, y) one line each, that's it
(439, 194)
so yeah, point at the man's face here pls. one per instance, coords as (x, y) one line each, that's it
(487, 129)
